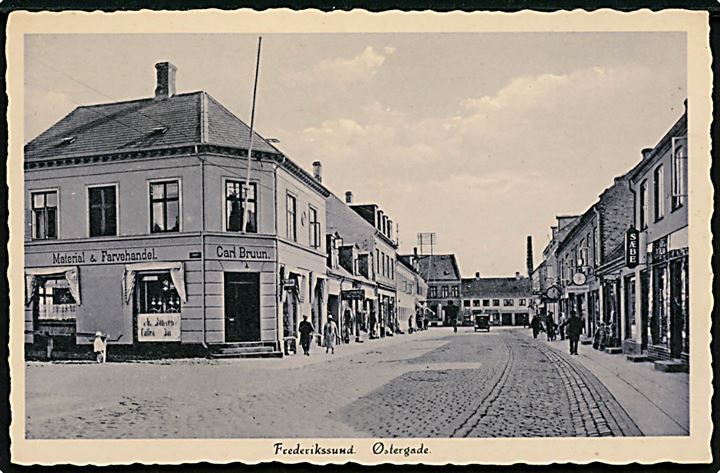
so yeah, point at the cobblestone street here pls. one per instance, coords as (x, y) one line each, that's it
(429, 384)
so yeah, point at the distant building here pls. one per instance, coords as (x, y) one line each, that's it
(443, 279)
(588, 245)
(411, 293)
(508, 301)
(546, 281)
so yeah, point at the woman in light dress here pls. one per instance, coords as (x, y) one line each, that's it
(330, 333)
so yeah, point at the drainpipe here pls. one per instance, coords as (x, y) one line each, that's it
(202, 244)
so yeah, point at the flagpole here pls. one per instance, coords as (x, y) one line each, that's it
(252, 136)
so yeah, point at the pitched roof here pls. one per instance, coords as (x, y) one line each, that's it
(496, 287)
(191, 118)
(443, 268)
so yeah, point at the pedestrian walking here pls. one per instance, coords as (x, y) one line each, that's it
(574, 328)
(306, 330)
(536, 325)
(347, 325)
(100, 347)
(550, 323)
(455, 322)
(330, 334)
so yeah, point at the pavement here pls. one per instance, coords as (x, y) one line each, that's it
(434, 383)
(658, 402)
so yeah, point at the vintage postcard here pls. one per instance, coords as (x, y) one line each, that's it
(352, 237)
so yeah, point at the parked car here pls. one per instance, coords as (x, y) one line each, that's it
(482, 322)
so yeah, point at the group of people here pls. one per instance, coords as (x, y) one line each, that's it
(330, 335)
(572, 326)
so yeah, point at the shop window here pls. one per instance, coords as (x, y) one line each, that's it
(521, 302)
(165, 206)
(236, 192)
(55, 302)
(314, 227)
(643, 207)
(455, 291)
(445, 291)
(103, 211)
(291, 217)
(157, 294)
(659, 193)
(496, 303)
(486, 302)
(508, 302)
(44, 210)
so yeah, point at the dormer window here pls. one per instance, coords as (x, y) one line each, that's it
(159, 130)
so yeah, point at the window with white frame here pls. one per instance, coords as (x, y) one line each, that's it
(45, 215)
(659, 192)
(314, 227)
(102, 211)
(679, 172)
(164, 206)
(643, 205)
(291, 217)
(236, 194)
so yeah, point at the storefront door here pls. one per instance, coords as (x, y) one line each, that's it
(242, 307)
(677, 317)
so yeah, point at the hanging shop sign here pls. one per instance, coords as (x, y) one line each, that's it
(659, 250)
(579, 279)
(632, 248)
(158, 327)
(353, 295)
(553, 294)
(289, 284)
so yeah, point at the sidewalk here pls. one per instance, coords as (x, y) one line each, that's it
(428, 338)
(658, 402)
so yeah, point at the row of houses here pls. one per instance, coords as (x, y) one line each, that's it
(623, 264)
(147, 221)
(505, 300)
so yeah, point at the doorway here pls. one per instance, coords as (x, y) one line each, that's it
(242, 307)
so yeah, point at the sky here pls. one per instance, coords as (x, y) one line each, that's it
(481, 138)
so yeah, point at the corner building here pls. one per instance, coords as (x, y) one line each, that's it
(136, 227)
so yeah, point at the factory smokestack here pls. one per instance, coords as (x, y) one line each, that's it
(530, 263)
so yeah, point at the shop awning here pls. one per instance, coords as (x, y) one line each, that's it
(71, 273)
(177, 273)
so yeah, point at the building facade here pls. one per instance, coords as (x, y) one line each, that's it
(411, 294)
(371, 230)
(587, 246)
(141, 225)
(507, 301)
(442, 274)
(656, 291)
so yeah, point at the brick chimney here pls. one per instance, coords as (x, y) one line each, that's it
(348, 197)
(317, 171)
(517, 276)
(165, 87)
(477, 275)
(646, 152)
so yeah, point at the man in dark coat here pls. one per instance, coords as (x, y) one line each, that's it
(306, 330)
(574, 329)
(536, 326)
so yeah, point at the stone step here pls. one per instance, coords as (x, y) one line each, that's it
(613, 350)
(670, 366)
(262, 354)
(637, 358)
